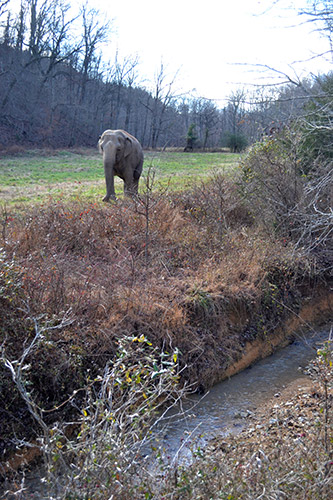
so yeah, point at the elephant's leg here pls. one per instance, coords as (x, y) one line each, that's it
(109, 180)
(135, 186)
(136, 177)
(129, 184)
(128, 189)
(131, 180)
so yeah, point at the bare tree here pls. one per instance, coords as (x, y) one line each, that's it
(20, 27)
(320, 12)
(95, 33)
(3, 4)
(123, 78)
(207, 118)
(235, 108)
(234, 119)
(48, 41)
(163, 96)
(60, 47)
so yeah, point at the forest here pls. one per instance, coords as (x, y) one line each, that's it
(57, 90)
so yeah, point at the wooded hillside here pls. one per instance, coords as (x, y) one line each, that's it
(57, 90)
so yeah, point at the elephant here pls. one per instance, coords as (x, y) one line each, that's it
(122, 156)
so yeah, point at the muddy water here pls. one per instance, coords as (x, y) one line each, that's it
(225, 408)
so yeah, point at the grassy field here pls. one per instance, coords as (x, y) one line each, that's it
(35, 175)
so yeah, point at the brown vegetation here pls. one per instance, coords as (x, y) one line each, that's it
(193, 272)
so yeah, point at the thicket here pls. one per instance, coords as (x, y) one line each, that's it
(316, 126)
(287, 178)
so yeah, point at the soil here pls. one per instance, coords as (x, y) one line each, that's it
(314, 312)
(290, 415)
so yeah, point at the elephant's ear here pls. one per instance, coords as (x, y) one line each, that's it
(128, 146)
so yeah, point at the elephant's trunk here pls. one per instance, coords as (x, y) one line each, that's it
(109, 158)
(109, 155)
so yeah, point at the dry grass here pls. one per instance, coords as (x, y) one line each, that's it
(195, 283)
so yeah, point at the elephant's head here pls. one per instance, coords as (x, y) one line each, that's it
(115, 145)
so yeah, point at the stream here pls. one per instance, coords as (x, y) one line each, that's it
(224, 408)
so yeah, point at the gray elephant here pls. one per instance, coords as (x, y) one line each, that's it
(122, 156)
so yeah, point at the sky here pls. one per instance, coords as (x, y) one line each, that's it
(214, 45)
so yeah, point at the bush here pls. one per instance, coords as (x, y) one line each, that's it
(271, 182)
(236, 142)
(312, 220)
(315, 126)
(191, 138)
(216, 206)
(281, 196)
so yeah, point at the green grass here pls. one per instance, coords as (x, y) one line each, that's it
(38, 168)
(33, 176)
(177, 170)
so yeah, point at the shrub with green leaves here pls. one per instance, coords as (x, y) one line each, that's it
(236, 142)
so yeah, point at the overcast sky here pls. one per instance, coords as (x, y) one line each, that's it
(205, 38)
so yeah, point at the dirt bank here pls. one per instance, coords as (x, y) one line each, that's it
(314, 311)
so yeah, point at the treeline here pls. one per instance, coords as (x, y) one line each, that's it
(56, 90)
